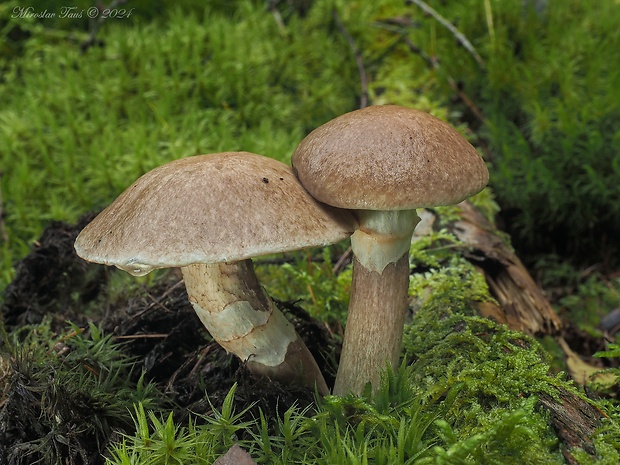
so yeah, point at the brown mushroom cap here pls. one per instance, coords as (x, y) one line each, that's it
(388, 158)
(210, 209)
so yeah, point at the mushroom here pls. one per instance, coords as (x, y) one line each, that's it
(383, 162)
(208, 215)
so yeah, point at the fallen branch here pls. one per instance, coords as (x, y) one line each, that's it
(450, 27)
(522, 304)
(434, 64)
(575, 422)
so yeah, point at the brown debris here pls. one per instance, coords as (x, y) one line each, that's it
(582, 371)
(235, 456)
(162, 330)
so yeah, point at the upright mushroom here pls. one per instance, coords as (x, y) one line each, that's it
(208, 215)
(383, 162)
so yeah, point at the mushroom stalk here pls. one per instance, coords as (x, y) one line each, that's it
(378, 301)
(243, 319)
(383, 162)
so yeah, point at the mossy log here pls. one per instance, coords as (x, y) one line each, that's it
(522, 304)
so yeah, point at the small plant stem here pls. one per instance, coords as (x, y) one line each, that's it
(97, 23)
(4, 237)
(243, 319)
(376, 318)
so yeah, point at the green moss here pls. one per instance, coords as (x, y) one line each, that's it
(312, 282)
(483, 377)
(606, 438)
(545, 93)
(391, 428)
(76, 129)
(486, 202)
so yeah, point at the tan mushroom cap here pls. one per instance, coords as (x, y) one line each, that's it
(388, 158)
(210, 209)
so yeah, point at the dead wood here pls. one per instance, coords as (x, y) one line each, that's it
(522, 303)
(574, 421)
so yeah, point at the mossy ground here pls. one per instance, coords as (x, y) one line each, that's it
(143, 383)
(78, 125)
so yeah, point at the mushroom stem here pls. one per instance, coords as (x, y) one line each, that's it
(378, 301)
(243, 319)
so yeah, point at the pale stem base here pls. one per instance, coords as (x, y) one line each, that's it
(243, 319)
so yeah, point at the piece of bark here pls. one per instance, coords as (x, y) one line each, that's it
(611, 322)
(522, 303)
(574, 421)
(235, 456)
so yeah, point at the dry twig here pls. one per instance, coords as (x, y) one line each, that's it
(277, 17)
(400, 27)
(433, 62)
(450, 27)
(343, 261)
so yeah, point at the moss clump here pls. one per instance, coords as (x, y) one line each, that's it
(312, 280)
(390, 428)
(483, 378)
(191, 81)
(64, 396)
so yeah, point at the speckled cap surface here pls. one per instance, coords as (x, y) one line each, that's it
(209, 209)
(388, 158)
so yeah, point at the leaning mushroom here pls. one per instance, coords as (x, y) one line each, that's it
(383, 162)
(208, 215)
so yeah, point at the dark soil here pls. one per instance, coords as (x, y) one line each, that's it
(50, 277)
(158, 327)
